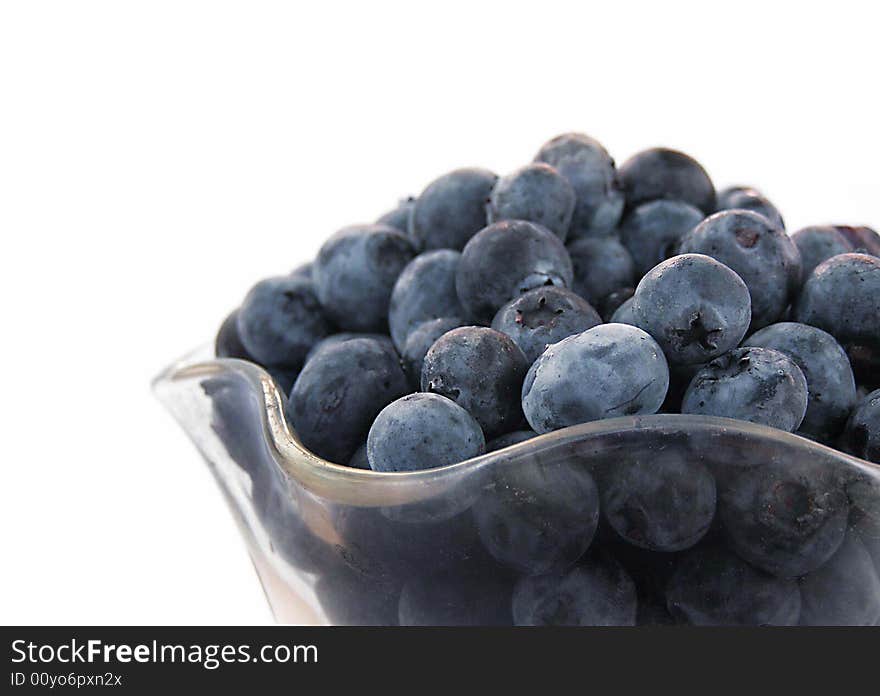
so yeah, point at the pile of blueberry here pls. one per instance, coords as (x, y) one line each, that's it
(489, 310)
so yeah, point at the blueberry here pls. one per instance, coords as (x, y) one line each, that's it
(865, 361)
(544, 316)
(713, 587)
(861, 436)
(590, 170)
(452, 209)
(845, 591)
(650, 571)
(607, 371)
(510, 439)
(747, 198)
(665, 502)
(359, 459)
(371, 543)
(819, 243)
(537, 193)
(661, 173)
(453, 599)
(759, 385)
(597, 592)
(280, 320)
(614, 301)
(507, 259)
(355, 272)
(624, 314)
(653, 231)
(398, 218)
(228, 344)
(785, 517)
(334, 339)
(420, 341)
(284, 378)
(537, 517)
(425, 290)
(601, 266)
(303, 271)
(842, 296)
(695, 307)
(864, 240)
(482, 370)
(830, 383)
(763, 255)
(422, 431)
(338, 394)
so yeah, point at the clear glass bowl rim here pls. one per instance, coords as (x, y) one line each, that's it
(363, 486)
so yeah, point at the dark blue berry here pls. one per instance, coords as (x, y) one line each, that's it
(842, 296)
(280, 320)
(861, 436)
(590, 170)
(537, 193)
(538, 517)
(653, 231)
(601, 265)
(420, 341)
(624, 314)
(482, 370)
(338, 394)
(785, 517)
(712, 586)
(747, 198)
(355, 272)
(228, 344)
(424, 291)
(359, 459)
(398, 218)
(303, 271)
(597, 592)
(665, 502)
(817, 244)
(662, 173)
(607, 371)
(830, 383)
(761, 253)
(507, 259)
(759, 385)
(695, 307)
(452, 209)
(613, 302)
(864, 240)
(510, 439)
(334, 339)
(369, 541)
(865, 361)
(544, 316)
(422, 431)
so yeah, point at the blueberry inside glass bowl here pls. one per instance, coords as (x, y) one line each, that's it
(637, 520)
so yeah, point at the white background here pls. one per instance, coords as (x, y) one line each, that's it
(156, 158)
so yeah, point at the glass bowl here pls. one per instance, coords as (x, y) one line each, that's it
(492, 541)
